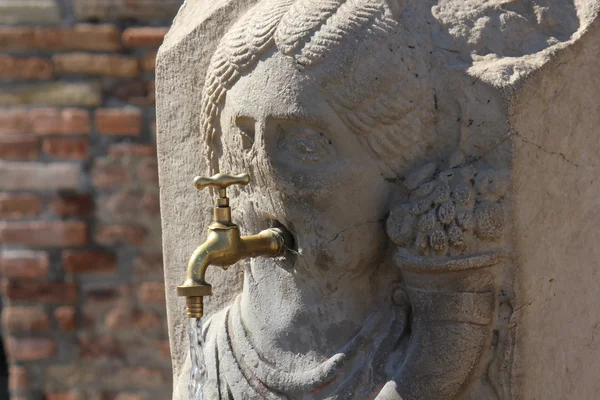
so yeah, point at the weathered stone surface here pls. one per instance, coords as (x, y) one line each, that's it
(439, 132)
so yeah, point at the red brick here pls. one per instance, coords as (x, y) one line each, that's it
(80, 37)
(79, 205)
(121, 234)
(15, 121)
(72, 395)
(19, 148)
(151, 97)
(149, 322)
(152, 293)
(44, 121)
(44, 233)
(65, 317)
(89, 261)
(66, 148)
(119, 121)
(21, 319)
(141, 376)
(132, 150)
(17, 378)
(149, 61)
(108, 173)
(69, 121)
(24, 264)
(151, 203)
(96, 64)
(148, 171)
(91, 346)
(148, 265)
(43, 292)
(25, 68)
(124, 202)
(95, 37)
(125, 90)
(144, 36)
(30, 349)
(106, 295)
(17, 206)
(136, 92)
(131, 396)
(119, 318)
(164, 349)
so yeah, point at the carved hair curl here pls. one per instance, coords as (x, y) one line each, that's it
(372, 66)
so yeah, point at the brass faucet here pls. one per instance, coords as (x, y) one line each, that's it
(224, 245)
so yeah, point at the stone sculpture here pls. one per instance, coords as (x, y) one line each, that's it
(367, 138)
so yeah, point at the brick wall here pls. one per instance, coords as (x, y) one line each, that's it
(83, 300)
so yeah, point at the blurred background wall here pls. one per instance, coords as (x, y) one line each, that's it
(83, 314)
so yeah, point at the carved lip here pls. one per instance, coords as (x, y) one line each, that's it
(473, 262)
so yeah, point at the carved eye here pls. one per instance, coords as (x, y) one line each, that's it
(305, 144)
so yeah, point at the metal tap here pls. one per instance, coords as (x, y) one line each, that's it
(224, 245)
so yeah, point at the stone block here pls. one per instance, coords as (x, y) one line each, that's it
(29, 12)
(84, 94)
(96, 64)
(39, 176)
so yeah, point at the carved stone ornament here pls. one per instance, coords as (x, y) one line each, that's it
(383, 135)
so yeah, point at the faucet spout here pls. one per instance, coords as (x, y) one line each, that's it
(224, 245)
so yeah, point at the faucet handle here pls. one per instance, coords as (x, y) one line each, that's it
(221, 182)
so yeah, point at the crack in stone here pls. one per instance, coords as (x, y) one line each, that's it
(351, 227)
(555, 153)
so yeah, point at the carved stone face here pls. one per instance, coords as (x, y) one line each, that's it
(311, 173)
